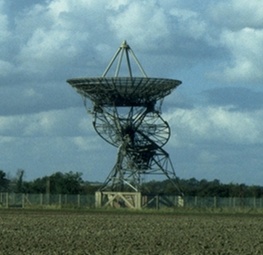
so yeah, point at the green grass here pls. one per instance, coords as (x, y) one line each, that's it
(162, 211)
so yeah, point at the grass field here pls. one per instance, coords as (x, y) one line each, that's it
(122, 232)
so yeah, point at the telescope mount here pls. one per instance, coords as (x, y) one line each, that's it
(126, 113)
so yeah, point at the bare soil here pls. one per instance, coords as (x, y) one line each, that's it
(85, 232)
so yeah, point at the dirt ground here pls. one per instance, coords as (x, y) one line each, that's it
(85, 232)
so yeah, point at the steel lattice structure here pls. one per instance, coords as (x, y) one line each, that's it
(126, 113)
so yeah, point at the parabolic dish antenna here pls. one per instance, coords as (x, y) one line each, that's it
(127, 114)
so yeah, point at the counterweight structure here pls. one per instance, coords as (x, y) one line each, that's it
(126, 113)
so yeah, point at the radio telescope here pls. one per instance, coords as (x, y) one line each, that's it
(126, 113)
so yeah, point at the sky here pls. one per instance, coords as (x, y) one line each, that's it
(213, 47)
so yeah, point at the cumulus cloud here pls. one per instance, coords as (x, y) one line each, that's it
(144, 23)
(242, 37)
(4, 29)
(6, 68)
(207, 46)
(207, 157)
(238, 98)
(236, 15)
(216, 125)
(189, 23)
(87, 143)
(245, 46)
(69, 30)
(61, 123)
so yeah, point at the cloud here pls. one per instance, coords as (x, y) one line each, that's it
(236, 15)
(240, 30)
(215, 125)
(212, 47)
(128, 24)
(207, 157)
(245, 46)
(5, 68)
(88, 29)
(27, 98)
(87, 143)
(4, 29)
(5, 35)
(189, 23)
(117, 5)
(56, 123)
(237, 98)
(43, 156)
(57, 33)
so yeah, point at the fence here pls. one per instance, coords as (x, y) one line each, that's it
(8, 200)
(203, 202)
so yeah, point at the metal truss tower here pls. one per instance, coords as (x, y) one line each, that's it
(126, 113)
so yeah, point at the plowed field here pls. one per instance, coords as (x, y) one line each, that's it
(75, 232)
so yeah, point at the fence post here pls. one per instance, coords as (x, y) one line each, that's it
(157, 202)
(23, 200)
(98, 199)
(41, 199)
(7, 200)
(1, 199)
(78, 200)
(59, 200)
(48, 198)
(180, 201)
(66, 199)
(195, 201)
(230, 202)
(215, 202)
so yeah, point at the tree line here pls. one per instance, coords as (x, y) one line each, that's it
(73, 183)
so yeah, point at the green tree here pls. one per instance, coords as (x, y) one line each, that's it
(68, 183)
(57, 183)
(4, 182)
(19, 182)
